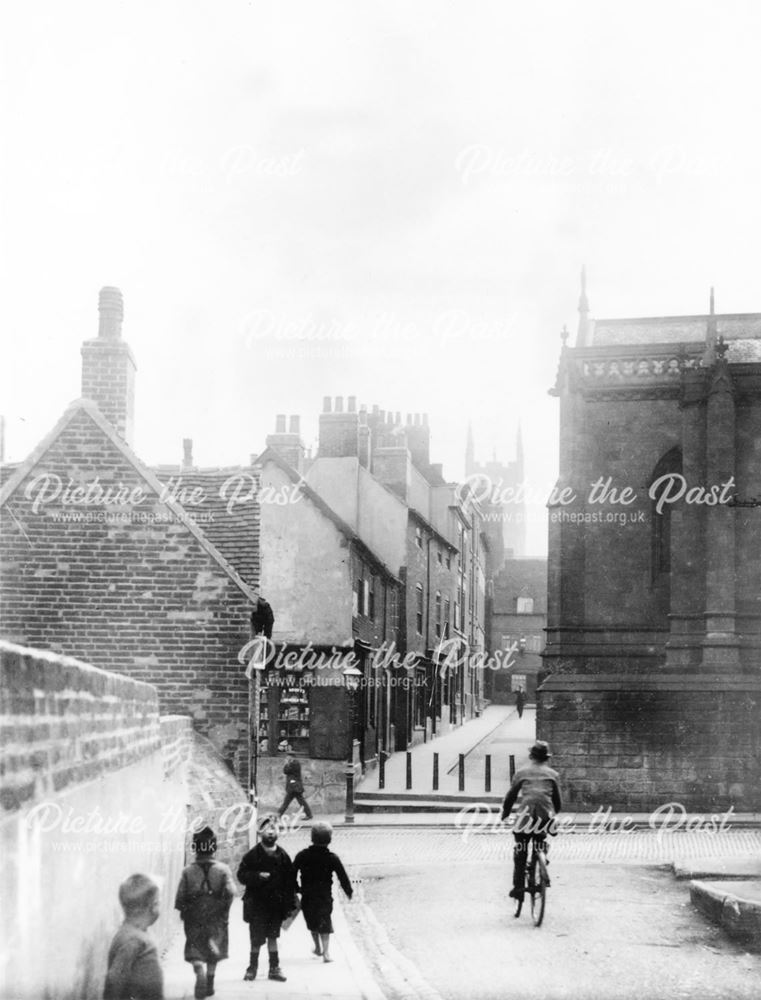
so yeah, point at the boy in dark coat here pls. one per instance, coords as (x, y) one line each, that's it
(267, 873)
(315, 866)
(204, 895)
(133, 961)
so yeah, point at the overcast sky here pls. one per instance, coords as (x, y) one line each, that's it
(391, 200)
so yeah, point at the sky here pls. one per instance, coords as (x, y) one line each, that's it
(391, 200)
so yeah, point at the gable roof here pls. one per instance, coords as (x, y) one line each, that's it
(270, 455)
(89, 408)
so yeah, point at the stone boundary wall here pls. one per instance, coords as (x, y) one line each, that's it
(634, 743)
(87, 798)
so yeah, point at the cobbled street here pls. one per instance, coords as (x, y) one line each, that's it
(433, 918)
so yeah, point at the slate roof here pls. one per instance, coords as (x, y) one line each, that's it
(234, 532)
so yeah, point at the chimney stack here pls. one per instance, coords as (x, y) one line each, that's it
(365, 439)
(108, 368)
(419, 442)
(288, 444)
(339, 429)
(187, 453)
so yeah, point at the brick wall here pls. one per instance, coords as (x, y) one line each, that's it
(140, 596)
(86, 800)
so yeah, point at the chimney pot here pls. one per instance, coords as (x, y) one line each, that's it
(352, 404)
(417, 419)
(339, 404)
(111, 309)
(280, 423)
(294, 424)
(425, 420)
(326, 404)
(376, 409)
(187, 453)
(398, 418)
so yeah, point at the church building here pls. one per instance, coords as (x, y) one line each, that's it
(654, 590)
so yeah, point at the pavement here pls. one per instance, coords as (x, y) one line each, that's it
(347, 977)
(499, 731)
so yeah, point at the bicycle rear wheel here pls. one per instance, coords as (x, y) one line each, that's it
(539, 889)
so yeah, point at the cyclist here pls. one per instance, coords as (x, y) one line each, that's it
(537, 789)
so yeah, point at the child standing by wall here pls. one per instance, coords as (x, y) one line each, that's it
(315, 866)
(204, 895)
(133, 961)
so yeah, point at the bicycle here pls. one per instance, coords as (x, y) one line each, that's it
(537, 881)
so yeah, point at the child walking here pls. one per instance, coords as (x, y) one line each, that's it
(204, 895)
(314, 867)
(133, 961)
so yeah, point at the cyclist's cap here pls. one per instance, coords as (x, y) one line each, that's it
(540, 750)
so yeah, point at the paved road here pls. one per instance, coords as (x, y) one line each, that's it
(612, 932)
(437, 923)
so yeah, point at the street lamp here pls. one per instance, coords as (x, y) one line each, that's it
(254, 669)
(351, 678)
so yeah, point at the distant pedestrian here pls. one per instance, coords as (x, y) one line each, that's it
(267, 873)
(204, 895)
(315, 867)
(133, 961)
(294, 787)
(520, 701)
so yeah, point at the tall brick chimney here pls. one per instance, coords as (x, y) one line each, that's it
(288, 443)
(339, 429)
(108, 368)
(419, 441)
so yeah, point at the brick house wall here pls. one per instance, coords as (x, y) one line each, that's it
(139, 595)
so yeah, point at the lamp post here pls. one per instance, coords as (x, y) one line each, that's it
(255, 667)
(351, 678)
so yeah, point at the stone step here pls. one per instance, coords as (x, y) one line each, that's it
(463, 798)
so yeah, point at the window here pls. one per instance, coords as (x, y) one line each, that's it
(447, 607)
(419, 608)
(438, 555)
(365, 606)
(457, 615)
(371, 598)
(355, 597)
(419, 537)
(438, 615)
(449, 559)
(525, 605)
(518, 681)
(507, 641)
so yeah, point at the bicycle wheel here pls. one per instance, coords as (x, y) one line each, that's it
(539, 893)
